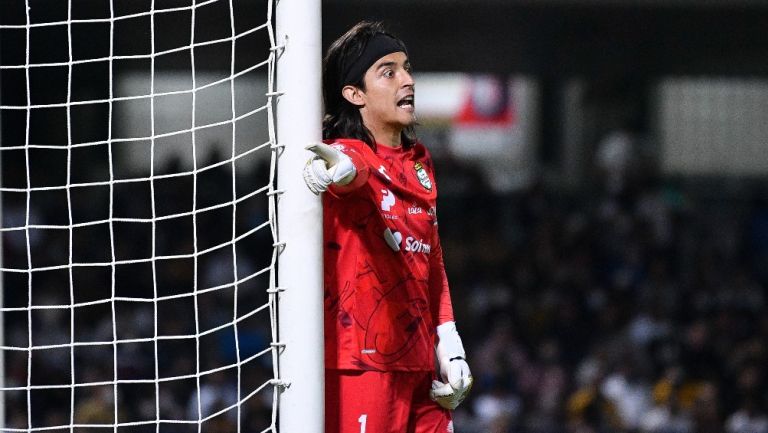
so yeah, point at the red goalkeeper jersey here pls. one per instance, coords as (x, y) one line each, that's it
(383, 298)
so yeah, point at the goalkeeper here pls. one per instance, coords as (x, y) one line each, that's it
(393, 358)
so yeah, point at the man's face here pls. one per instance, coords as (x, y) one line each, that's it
(389, 93)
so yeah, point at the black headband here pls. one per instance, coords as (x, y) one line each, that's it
(379, 46)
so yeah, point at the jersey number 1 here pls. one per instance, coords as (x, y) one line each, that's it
(362, 421)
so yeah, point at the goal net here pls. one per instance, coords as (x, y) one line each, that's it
(139, 231)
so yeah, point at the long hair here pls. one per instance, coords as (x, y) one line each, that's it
(342, 119)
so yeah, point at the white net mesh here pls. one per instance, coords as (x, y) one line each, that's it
(138, 162)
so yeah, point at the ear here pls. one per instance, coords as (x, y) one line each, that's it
(354, 95)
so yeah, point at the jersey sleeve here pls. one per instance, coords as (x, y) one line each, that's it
(439, 292)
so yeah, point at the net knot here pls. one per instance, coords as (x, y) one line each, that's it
(282, 384)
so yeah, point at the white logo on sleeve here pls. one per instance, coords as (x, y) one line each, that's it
(387, 200)
(382, 171)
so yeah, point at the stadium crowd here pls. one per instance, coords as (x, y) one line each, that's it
(636, 306)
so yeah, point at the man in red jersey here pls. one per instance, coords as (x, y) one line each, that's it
(388, 313)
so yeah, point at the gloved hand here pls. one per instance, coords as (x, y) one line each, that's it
(329, 165)
(454, 370)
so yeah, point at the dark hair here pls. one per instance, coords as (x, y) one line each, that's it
(342, 119)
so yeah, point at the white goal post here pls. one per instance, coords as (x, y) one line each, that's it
(161, 257)
(299, 114)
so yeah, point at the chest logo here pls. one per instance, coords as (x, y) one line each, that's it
(387, 200)
(421, 174)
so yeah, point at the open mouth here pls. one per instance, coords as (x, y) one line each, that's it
(406, 102)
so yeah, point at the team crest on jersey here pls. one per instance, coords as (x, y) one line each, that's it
(422, 175)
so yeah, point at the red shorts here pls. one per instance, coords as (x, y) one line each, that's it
(382, 402)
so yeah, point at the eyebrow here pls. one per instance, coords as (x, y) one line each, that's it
(392, 63)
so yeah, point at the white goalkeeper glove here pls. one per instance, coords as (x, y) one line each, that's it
(454, 369)
(330, 165)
